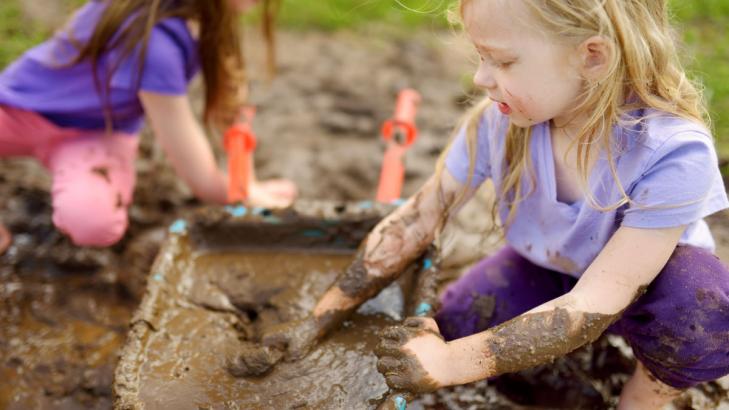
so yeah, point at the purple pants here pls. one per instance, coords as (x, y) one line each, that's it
(679, 329)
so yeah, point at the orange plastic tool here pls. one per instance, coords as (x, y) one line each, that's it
(399, 133)
(239, 143)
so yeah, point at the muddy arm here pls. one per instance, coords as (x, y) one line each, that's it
(393, 245)
(618, 276)
(386, 252)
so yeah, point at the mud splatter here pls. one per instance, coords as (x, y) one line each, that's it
(103, 172)
(538, 338)
(564, 263)
(483, 307)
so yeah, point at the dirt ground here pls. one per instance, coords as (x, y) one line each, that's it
(64, 311)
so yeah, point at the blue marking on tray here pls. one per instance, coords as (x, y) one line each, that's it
(178, 227)
(423, 309)
(237, 210)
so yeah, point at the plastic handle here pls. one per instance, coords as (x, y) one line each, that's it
(240, 142)
(392, 175)
(403, 122)
(399, 133)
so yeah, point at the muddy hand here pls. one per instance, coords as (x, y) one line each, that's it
(413, 356)
(295, 338)
(254, 360)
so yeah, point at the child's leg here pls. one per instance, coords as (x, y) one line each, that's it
(21, 132)
(679, 329)
(93, 181)
(643, 392)
(497, 289)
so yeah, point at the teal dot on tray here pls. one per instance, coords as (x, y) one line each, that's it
(158, 277)
(237, 211)
(423, 309)
(178, 227)
(400, 403)
(427, 264)
(313, 233)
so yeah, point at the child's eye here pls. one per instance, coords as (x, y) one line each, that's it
(504, 64)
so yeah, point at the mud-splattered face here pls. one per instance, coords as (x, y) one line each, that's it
(530, 76)
(242, 6)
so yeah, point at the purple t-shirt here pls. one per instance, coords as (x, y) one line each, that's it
(667, 165)
(41, 80)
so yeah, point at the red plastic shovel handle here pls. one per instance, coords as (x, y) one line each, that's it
(240, 142)
(399, 133)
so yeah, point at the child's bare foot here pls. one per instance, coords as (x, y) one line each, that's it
(644, 392)
(5, 238)
(272, 193)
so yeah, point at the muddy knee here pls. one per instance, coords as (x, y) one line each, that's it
(89, 218)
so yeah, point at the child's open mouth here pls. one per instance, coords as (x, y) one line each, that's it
(504, 108)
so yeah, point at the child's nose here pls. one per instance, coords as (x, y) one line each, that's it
(484, 77)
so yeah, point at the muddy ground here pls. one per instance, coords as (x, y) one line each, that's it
(64, 311)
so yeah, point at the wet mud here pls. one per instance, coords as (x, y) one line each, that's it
(65, 311)
(206, 312)
(59, 339)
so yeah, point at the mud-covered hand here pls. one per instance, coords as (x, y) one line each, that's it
(296, 337)
(414, 356)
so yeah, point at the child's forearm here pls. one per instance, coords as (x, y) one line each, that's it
(531, 339)
(389, 249)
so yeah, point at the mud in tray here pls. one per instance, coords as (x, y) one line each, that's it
(224, 275)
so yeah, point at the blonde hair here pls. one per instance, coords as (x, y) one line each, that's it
(644, 72)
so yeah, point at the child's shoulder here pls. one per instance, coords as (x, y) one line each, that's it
(659, 130)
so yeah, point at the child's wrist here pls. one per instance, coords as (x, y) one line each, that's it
(466, 362)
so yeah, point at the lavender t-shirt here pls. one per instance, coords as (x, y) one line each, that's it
(41, 80)
(667, 165)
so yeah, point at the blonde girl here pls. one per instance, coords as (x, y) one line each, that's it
(604, 166)
(77, 103)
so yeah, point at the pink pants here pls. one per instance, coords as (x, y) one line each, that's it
(93, 173)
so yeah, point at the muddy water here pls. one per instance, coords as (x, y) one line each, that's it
(212, 302)
(59, 340)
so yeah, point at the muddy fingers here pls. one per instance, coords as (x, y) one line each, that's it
(254, 360)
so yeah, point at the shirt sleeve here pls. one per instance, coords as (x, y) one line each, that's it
(680, 184)
(164, 67)
(458, 160)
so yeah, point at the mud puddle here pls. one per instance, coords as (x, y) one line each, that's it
(59, 339)
(207, 307)
(318, 125)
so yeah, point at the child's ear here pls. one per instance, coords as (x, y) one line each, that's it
(595, 55)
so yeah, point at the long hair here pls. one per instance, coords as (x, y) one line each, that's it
(645, 71)
(126, 25)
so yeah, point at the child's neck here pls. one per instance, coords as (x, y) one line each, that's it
(564, 153)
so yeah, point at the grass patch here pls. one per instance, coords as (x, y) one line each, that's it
(704, 25)
(339, 14)
(17, 33)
